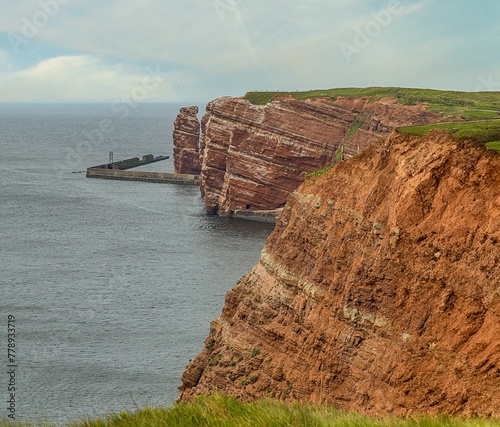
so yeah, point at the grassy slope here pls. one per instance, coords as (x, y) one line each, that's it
(469, 105)
(485, 132)
(219, 411)
(480, 109)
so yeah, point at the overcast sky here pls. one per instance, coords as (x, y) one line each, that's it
(197, 50)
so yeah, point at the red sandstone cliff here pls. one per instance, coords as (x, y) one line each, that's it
(186, 137)
(378, 291)
(253, 157)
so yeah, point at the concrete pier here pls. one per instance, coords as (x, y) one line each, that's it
(157, 177)
(121, 171)
(134, 162)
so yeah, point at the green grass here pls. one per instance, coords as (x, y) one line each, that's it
(355, 126)
(220, 411)
(484, 132)
(493, 145)
(255, 352)
(469, 105)
(480, 110)
(319, 172)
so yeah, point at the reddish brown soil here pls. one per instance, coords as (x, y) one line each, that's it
(378, 291)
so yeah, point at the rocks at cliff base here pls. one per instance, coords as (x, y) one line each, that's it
(186, 137)
(253, 157)
(378, 290)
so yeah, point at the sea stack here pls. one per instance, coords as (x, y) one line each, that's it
(186, 137)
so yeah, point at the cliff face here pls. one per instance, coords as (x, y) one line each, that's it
(378, 291)
(186, 138)
(253, 157)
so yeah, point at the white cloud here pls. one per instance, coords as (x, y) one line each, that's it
(93, 49)
(85, 77)
(55, 66)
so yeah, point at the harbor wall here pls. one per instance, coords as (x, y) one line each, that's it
(129, 175)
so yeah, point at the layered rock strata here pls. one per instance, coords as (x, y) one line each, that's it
(253, 157)
(378, 290)
(186, 136)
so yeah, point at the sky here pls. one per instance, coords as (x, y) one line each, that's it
(198, 50)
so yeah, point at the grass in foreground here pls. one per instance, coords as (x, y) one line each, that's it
(484, 132)
(220, 411)
(469, 105)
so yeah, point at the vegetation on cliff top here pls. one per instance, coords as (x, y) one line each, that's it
(469, 105)
(484, 132)
(479, 110)
(220, 411)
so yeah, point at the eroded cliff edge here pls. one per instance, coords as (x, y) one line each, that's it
(378, 290)
(253, 156)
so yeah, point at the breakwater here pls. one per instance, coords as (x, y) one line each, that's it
(120, 170)
(134, 162)
(157, 177)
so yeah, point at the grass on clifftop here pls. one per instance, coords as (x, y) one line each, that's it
(469, 105)
(484, 132)
(220, 411)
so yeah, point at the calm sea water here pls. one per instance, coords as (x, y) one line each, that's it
(112, 284)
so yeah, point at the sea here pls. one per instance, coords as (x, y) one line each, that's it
(107, 288)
